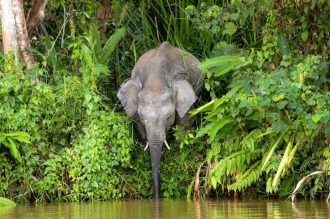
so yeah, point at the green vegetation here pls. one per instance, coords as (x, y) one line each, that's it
(261, 126)
(4, 202)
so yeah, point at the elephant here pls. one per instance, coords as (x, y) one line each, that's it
(163, 81)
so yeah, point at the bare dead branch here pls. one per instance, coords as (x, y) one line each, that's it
(197, 193)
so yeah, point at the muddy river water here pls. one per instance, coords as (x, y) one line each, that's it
(171, 209)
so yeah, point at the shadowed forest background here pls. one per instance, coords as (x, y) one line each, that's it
(260, 125)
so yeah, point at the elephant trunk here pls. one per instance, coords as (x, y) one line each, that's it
(155, 154)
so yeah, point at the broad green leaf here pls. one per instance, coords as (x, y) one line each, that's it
(13, 149)
(220, 101)
(5, 202)
(283, 44)
(224, 69)
(203, 108)
(230, 28)
(222, 64)
(316, 117)
(19, 136)
(313, 4)
(13, 134)
(234, 16)
(190, 8)
(277, 98)
(216, 104)
(210, 116)
(282, 104)
(23, 139)
(304, 36)
(190, 135)
(218, 61)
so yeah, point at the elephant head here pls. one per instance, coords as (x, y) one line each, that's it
(152, 96)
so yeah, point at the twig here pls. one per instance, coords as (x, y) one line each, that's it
(300, 183)
(63, 32)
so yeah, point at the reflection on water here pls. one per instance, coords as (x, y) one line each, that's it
(171, 209)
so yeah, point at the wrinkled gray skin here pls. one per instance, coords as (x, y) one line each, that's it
(164, 80)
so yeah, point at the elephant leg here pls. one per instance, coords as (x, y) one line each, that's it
(184, 122)
(141, 131)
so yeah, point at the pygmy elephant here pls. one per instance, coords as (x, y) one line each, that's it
(164, 80)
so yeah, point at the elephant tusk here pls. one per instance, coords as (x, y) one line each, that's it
(165, 142)
(146, 146)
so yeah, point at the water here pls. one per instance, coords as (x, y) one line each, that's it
(171, 209)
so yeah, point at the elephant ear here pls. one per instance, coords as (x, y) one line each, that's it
(128, 96)
(185, 96)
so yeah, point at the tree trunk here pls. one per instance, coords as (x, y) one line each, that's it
(21, 31)
(9, 29)
(103, 13)
(37, 14)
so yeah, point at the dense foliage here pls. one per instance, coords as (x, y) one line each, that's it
(262, 126)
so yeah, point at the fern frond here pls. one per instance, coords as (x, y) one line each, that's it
(213, 128)
(251, 139)
(269, 187)
(110, 45)
(249, 177)
(236, 162)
